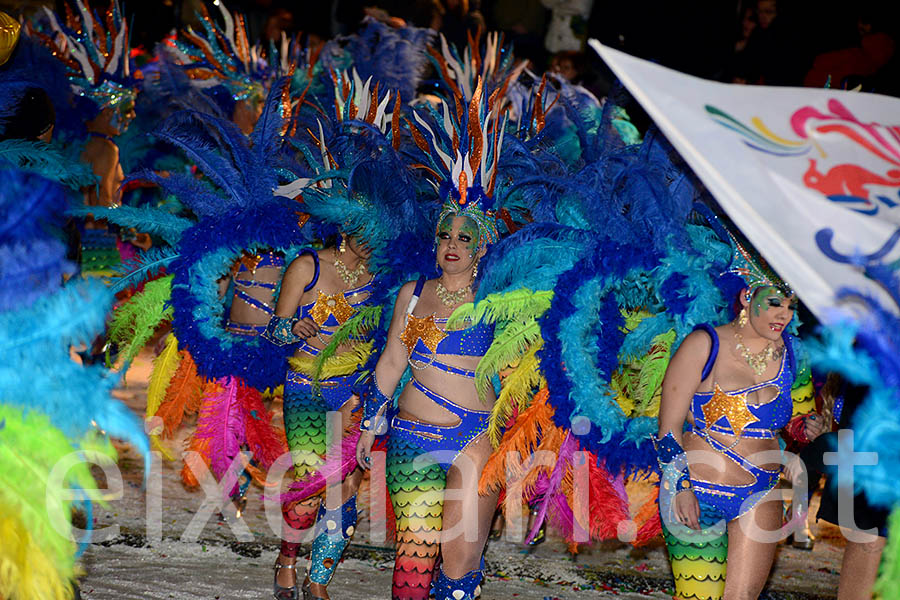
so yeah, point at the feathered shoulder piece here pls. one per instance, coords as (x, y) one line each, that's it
(219, 56)
(492, 64)
(237, 212)
(96, 52)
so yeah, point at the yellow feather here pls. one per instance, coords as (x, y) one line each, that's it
(345, 363)
(161, 448)
(516, 390)
(164, 367)
(26, 570)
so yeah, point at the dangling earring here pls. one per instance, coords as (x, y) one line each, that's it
(343, 246)
(475, 270)
(743, 318)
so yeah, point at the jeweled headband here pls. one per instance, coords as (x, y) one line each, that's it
(754, 270)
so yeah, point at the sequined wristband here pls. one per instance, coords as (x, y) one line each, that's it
(280, 332)
(375, 404)
(672, 463)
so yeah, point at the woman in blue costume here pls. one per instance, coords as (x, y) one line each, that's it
(451, 432)
(437, 442)
(726, 393)
(329, 306)
(321, 291)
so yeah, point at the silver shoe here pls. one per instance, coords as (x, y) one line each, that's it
(284, 593)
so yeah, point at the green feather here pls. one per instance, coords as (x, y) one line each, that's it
(509, 346)
(517, 305)
(135, 321)
(888, 585)
(30, 448)
(356, 326)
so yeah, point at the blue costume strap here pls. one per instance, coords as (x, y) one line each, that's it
(756, 433)
(315, 279)
(244, 328)
(257, 304)
(420, 283)
(375, 406)
(713, 352)
(430, 361)
(789, 351)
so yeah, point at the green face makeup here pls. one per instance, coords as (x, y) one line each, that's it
(467, 234)
(771, 297)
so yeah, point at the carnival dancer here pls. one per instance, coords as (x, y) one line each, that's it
(330, 304)
(320, 291)
(99, 70)
(726, 393)
(441, 416)
(221, 63)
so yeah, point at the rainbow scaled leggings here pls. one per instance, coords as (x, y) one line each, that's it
(417, 495)
(698, 560)
(305, 409)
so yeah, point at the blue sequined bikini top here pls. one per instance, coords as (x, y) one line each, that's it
(728, 412)
(424, 339)
(332, 310)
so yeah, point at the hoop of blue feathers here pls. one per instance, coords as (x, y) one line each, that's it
(207, 253)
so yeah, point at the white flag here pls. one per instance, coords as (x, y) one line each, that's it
(810, 176)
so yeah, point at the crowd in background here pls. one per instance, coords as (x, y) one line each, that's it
(771, 42)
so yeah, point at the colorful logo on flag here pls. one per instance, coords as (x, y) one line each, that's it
(850, 162)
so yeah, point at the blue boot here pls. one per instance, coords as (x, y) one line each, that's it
(335, 527)
(467, 587)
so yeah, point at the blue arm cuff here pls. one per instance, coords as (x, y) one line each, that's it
(280, 332)
(675, 476)
(375, 409)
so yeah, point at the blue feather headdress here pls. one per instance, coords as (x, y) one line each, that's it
(221, 57)
(460, 150)
(97, 54)
(395, 58)
(492, 66)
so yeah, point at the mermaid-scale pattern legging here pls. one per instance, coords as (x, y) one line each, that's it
(304, 424)
(417, 495)
(698, 565)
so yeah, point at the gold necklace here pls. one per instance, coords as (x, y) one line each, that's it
(449, 298)
(349, 277)
(758, 361)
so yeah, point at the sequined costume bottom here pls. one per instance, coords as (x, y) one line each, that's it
(305, 425)
(416, 488)
(698, 558)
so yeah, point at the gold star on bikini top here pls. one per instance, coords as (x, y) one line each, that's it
(335, 305)
(732, 407)
(421, 329)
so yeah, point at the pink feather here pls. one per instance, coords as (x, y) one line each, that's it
(340, 462)
(553, 483)
(221, 422)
